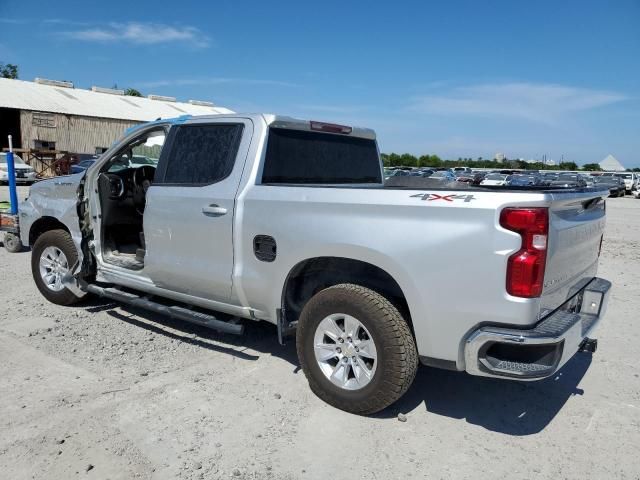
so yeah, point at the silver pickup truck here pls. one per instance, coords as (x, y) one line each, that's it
(260, 217)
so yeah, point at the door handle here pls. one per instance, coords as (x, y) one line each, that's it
(214, 210)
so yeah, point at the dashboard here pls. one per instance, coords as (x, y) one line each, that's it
(130, 184)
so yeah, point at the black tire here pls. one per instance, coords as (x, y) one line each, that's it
(62, 240)
(397, 353)
(12, 243)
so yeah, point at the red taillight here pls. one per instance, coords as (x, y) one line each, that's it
(525, 268)
(330, 127)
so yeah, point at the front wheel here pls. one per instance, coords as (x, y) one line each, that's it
(356, 350)
(52, 257)
(12, 243)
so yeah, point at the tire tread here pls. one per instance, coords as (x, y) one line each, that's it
(61, 239)
(403, 356)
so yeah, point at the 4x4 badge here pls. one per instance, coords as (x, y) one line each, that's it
(447, 198)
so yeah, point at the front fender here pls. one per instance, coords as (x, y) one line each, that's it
(57, 199)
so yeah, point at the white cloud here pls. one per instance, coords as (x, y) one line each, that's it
(141, 34)
(544, 103)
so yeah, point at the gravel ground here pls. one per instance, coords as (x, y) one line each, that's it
(101, 391)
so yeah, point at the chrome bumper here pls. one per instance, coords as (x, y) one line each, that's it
(539, 352)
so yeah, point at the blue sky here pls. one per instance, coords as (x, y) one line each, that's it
(457, 78)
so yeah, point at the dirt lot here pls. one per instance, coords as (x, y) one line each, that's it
(100, 391)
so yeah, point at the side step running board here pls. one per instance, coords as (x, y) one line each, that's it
(175, 312)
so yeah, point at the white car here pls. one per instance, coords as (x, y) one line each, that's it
(496, 179)
(630, 179)
(24, 173)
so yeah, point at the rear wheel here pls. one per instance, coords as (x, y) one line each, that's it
(53, 256)
(356, 350)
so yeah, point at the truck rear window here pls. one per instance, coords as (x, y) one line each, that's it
(301, 157)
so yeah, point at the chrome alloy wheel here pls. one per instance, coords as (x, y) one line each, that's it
(345, 351)
(53, 267)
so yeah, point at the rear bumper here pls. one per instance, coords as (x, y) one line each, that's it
(536, 353)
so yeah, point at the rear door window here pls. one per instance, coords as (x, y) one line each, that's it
(302, 157)
(200, 154)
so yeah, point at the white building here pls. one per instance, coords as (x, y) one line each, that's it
(53, 115)
(499, 157)
(611, 164)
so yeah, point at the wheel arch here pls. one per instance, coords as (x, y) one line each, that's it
(309, 276)
(45, 224)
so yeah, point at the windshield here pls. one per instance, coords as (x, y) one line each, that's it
(624, 175)
(568, 177)
(16, 159)
(142, 160)
(440, 175)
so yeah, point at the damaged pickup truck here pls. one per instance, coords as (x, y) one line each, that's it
(261, 217)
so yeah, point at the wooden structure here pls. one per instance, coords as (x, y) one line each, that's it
(46, 163)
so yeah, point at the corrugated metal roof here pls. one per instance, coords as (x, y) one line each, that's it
(74, 101)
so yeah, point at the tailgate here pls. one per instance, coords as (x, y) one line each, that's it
(576, 226)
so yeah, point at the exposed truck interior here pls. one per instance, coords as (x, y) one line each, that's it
(122, 189)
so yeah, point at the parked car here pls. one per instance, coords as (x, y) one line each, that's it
(421, 172)
(629, 178)
(523, 180)
(261, 217)
(24, 173)
(569, 180)
(547, 177)
(464, 176)
(614, 184)
(443, 176)
(396, 173)
(496, 179)
(82, 165)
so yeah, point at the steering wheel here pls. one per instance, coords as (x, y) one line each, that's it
(143, 177)
(116, 186)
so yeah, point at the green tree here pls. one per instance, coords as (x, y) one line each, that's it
(519, 164)
(394, 160)
(9, 70)
(132, 92)
(568, 166)
(537, 166)
(408, 160)
(591, 167)
(429, 161)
